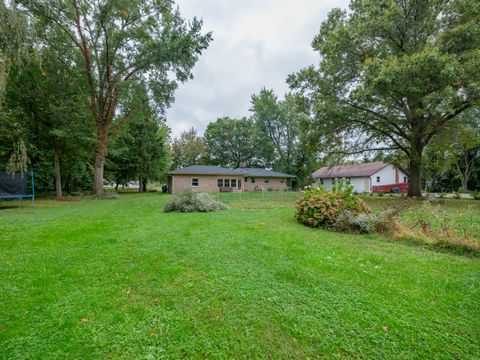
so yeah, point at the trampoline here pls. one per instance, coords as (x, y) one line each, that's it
(15, 187)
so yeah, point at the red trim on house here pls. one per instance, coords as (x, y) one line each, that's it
(403, 187)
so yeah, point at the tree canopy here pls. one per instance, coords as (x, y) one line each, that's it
(393, 74)
(114, 42)
(187, 149)
(229, 142)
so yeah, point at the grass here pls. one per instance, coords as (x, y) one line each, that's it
(121, 279)
(461, 216)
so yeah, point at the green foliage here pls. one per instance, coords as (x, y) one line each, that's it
(138, 147)
(188, 149)
(317, 207)
(48, 119)
(393, 73)
(228, 142)
(110, 44)
(189, 201)
(454, 154)
(280, 144)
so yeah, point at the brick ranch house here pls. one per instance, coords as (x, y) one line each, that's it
(365, 178)
(205, 178)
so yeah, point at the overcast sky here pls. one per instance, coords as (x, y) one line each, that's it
(256, 43)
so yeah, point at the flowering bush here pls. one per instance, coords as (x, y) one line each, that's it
(320, 208)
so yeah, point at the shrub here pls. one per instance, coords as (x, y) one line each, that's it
(189, 201)
(319, 208)
(357, 223)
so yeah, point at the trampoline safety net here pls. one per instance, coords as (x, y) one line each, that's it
(11, 185)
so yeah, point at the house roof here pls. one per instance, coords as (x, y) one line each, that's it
(203, 170)
(354, 170)
(217, 170)
(259, 172)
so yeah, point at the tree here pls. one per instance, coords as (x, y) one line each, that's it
(139, 148)
(188, 149)
(116, 42)
(229, 142)
(53, 121)
(14, 31)
(454, 151)
(277, 124)
(394, 74)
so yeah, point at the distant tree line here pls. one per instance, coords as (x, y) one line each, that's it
(397, 81)
(84, 87)
(270, 138)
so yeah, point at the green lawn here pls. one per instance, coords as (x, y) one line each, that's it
(122, 279)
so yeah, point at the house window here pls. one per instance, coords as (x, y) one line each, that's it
(220, 183)
(266, 180)
(194, 182)
(404, 179)
(321, 181)
(347, 181)
(239, 184)
(233, 183)
(226, 182)
(282, 181)
(333, 181)
(378, 179)
(253, 180)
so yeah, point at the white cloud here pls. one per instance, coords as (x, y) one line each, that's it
(256, 44)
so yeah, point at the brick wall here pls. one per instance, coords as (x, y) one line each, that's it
(206, 183)
(273, 183)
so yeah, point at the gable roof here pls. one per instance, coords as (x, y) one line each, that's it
(354, 170)
(218, 170)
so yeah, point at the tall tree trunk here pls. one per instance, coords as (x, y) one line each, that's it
(465, 182)
(58, 174)
(100, 153)
(142, 184)
(415, 178)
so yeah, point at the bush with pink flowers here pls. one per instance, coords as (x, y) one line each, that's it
(317, 207)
